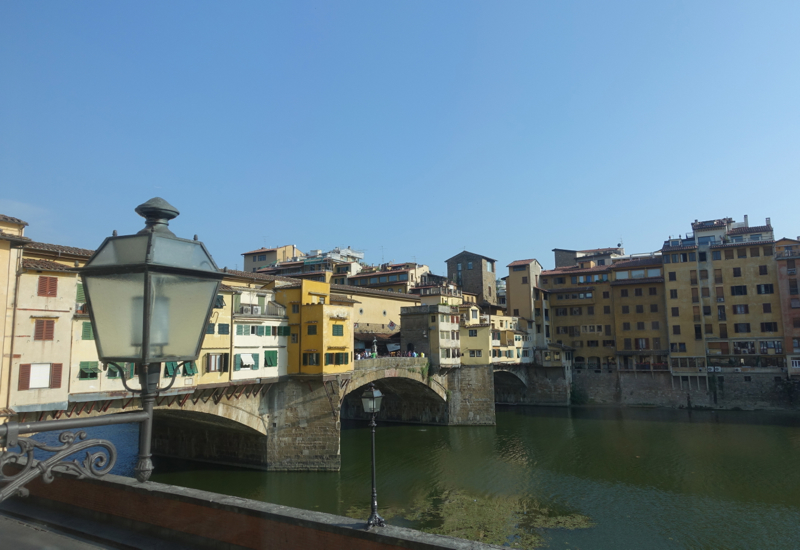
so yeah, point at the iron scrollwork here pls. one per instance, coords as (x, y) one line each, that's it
(93, 465)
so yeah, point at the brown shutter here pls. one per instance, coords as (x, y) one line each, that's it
(49, 329)
(38, 333)
(42, 285)
(24, 377)
(55, 375)
(52, 286)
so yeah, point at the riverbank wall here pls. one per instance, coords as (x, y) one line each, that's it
(729, 390)
(113, 506)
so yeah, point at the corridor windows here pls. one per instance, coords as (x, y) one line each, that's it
(310, 359)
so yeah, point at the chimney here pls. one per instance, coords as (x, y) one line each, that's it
(746, 222)
(768, 224)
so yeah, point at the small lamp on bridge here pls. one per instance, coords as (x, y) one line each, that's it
(150, 296)
(371, 401)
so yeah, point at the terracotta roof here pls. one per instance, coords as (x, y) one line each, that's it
(259, 250)
(58, 248)
(225, 288)
(13, 238)
(10, 219)
(521, 262)
(743, 243)
(645, 280)
(666, 248)
(471, 254)
(756, 229)
(256, 275)
(637, 262)
(342, 298)
(45, 265)
(573, 269)
(352, 289)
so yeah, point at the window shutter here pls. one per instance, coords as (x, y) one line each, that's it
(219, 303)
(171, 366)
(49, 329)
(237, 301)
(261, 303)
(267, 330)
(52, 286)
(42, 286)
(87, 333)
(237, 362)
(132, 370)
(225, 362)
(260, 330)
(55, 375)
(38, 333)
(24, 377)
(80, 295)
(255, 362)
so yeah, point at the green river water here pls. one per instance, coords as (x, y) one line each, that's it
(616, 478)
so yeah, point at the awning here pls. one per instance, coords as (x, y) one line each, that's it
(360, 345)
(392, 347)
(247, 359)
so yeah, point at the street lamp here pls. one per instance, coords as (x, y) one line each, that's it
(371, 401)
(150, 296)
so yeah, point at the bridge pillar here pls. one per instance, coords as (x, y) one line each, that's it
(471, 395)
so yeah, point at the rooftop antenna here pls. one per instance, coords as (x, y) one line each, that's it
(381, 253)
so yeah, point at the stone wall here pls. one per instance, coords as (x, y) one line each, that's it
(531, 385)
(471, 395)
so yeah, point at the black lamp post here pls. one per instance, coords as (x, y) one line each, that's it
(371, 400)
(150, 296)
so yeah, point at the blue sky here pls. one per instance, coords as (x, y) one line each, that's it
(410, 130)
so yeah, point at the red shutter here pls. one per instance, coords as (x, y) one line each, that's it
(52, 286)
(24, 377)
(38, 333)
(42, 285)
(49, 329)
(55, 375)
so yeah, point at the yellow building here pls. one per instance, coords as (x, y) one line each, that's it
(321, 325)
(787, 254)
(12, 239)
(263, 257)
(475, 336)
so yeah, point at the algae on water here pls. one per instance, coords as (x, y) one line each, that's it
(500, 520)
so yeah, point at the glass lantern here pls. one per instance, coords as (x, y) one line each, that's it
(371, 399)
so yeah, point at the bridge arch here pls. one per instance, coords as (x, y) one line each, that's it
(510, 385)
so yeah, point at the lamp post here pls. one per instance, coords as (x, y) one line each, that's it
(371, 401)
(150, 296)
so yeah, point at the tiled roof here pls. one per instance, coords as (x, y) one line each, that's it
(521, 262)
(574, 269)
(361, 290)
(259, 250)
(256, 275)
(666, 248)
(373, 273)
(470, 254)
(344, 299)
(58, 248)
(645, 280)
(10, 219)
(756, 229)
(225, 288)
(743, 243)
(13, 238)
(600, 250)
(637, 262)
(45, 265)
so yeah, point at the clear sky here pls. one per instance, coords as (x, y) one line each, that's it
(410, 130)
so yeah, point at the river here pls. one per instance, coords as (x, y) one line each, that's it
(635, 478)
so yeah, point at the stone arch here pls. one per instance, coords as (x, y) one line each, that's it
(242, 412)
(509, 387)
(362, 378)
(406, 399)
(509, 374)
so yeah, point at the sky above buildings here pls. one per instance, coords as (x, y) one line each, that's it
(409, 130)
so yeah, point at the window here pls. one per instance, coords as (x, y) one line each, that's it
(640, 325)
(338, 330)
(676, 329)
(637, 291)
(723, 330)
(737, 271)
(223, 328)
(310, 359)
(606, 310)
(576, 311)
(740, 290)
(606, 294)
(294, 337)
(673, 294)
(672, 276)
(312, 330)
(43, 329)
(762, 270)
(767, 251)
(654, 325)
(295, 308)
(48, 286)
(474, 313)
(740, 309)
(769, 327)
(706, 310)
(473, 332)
(676, 312)
(741, 253)
(627, 343)
(626, 326)
(741, 327)
(626, 309)
(219, 302)
(716, 255)
(653, 308)
(765, 289)
(87, 331)
(524, 280)
(34, 376)
(516, 313)
(729, 254)
(755, 252)
(88, 370)
(217, 362)
(623, 293)
(640, 309)
(590, 310)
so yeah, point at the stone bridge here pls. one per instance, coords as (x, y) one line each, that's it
(530, 384)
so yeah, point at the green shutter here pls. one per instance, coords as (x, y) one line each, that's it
(338, 330)
(189, 368)
(170, 368)
(237, 362)
(87, 333)
(261, 303)
(237, 302)
(271, 358)
(239, 330)
(259, 330)
(113, 370)
(210, 328)
(267, 330)
(132, 370)
(224, 328)
(80, 296)
(219, 303)
(90, 366)
(255, 362)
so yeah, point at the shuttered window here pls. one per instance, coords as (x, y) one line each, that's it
(224, 328)
(87, 332)
(88, 370)
(271, 358)
(254, 366)
(48, 286)
(190, 368)
(260, 330)
(44, 329)
(210, 328)
(55, 375)
(338, 330)
(237, 362)
(169, 368)
(268, 331)
(219, 302)
(80, 295)
(113, 370)
(24, 377)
